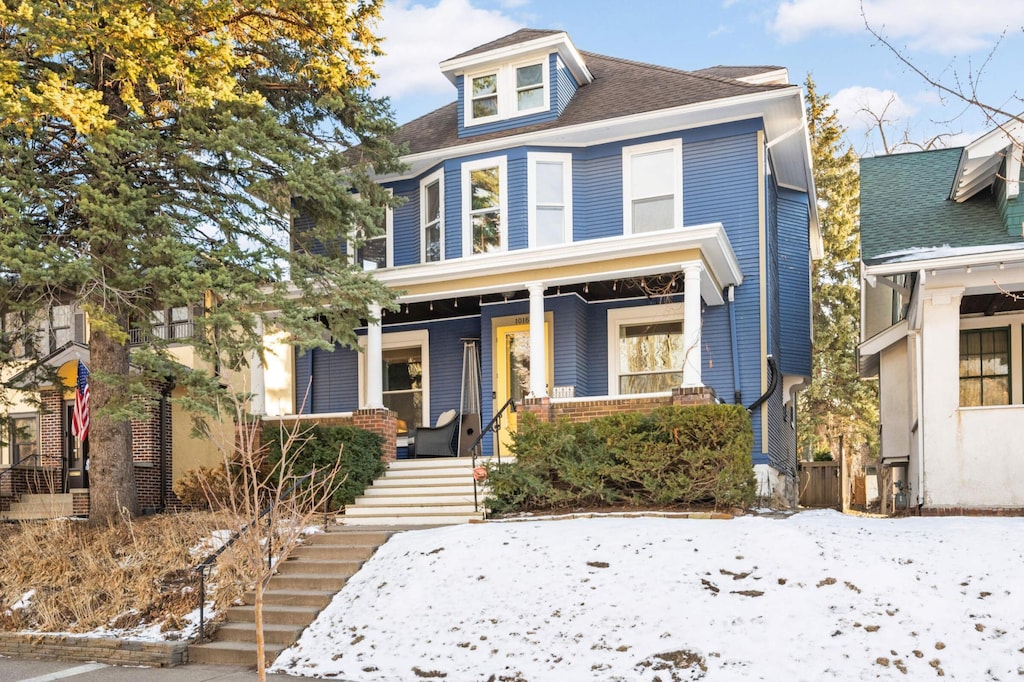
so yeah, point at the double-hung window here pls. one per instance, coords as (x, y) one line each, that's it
(484, 96)
(432, 218)
(984, 367)
(507, 91)
(24, 438)
(652, 186)
(484, 206)
(646, 352)
(373, 248)
(549, 186)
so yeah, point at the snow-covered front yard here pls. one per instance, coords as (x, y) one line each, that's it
(816, 596)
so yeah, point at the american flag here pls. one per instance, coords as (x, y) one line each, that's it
(80, 416)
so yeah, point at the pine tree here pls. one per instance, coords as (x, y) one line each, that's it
(153, 153)
(838, 406)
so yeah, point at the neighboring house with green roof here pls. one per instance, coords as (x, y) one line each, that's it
(942, 314)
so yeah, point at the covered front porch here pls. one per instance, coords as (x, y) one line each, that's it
(612, 324)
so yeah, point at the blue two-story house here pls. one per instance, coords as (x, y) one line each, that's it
(613, 234)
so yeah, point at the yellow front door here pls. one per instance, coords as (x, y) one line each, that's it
(512, 367)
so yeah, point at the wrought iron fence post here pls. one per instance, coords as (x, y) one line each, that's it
(202, 602)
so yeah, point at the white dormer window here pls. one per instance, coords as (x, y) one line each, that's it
(485, 96)
(507, 91)
(530, 87)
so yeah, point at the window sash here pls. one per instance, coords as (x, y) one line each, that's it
(432, 222)
(485, 210)
(484, 96)
(530, 87)
(24, 438)
(984, 367)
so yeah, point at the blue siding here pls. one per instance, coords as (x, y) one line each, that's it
(405, 223)
(564, 86)
(597, 193)
(326, 380)
(720, 184)
(453, 209)
(570, 332)
(518, 204)
(795, 281)
(446, 350)
(517, 121)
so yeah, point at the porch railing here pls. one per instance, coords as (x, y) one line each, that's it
(493, 426)
(202, 567)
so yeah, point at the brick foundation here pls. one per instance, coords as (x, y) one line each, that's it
(585, 409)
(99, 649)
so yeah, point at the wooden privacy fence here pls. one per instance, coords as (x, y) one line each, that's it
(819, 484)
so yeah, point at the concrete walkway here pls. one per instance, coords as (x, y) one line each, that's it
(22, 670)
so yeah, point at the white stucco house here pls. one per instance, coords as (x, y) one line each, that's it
(942, 323)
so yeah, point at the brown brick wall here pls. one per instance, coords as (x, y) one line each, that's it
(383, 422)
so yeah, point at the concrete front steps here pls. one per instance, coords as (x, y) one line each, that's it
(41, 507)
(304, 584)
(430, 491)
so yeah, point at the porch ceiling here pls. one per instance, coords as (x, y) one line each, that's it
(575, 265)
(990, 304)
(658, 286)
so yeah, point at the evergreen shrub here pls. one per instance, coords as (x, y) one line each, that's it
(673, 456)
(320, 446)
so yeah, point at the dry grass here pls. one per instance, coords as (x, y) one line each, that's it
(124, 576)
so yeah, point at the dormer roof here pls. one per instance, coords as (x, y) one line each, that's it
(524, 41)
(981, 160)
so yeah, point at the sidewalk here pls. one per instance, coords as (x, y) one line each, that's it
(23, 670)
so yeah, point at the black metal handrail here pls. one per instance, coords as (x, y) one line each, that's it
(492, 426)
(202, 567)
(5, 472)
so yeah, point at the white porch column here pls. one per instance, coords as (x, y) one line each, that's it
(374, 360)
(538, 350)
(257, 381)
(691, 325)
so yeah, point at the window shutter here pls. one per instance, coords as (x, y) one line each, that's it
(79, 328)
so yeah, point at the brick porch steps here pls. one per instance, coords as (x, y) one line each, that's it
(39, 507)
(304, 584)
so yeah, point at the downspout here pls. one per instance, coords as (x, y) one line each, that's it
(919, 363)
(737, 394)
(918, 322)
(773, 384)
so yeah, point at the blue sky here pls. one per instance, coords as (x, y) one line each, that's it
(949, 39)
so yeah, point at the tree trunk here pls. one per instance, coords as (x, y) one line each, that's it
(112, 489)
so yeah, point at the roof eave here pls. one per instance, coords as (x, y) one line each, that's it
(452, 68)
(781, 110)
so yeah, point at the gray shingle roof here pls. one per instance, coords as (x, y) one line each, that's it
(521, 36)
(620, 88)
(723, 71)
(905, 204)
